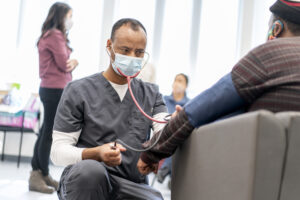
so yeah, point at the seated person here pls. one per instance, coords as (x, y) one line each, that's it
(178, 97)
(268, 77)
(97, 110)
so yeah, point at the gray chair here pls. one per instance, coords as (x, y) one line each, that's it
(290, 189)
(240, 158)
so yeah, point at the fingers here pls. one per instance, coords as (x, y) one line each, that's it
(178, 108)
(146, 168)
(112, 158)
(114, 161)
(112, 154)
(71, 64)
(69, 69)
(121, 148)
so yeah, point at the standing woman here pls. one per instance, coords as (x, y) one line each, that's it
(55, 72)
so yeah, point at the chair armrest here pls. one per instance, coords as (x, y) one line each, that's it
(291, 175)
(239, 158)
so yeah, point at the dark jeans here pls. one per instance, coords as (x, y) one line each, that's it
(50, 99)
(89, 180)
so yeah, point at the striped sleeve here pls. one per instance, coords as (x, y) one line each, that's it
(171, 136)
(249, 77)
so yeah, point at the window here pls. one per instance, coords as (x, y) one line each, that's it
(175, 43)
(217, 43)
(9, 20)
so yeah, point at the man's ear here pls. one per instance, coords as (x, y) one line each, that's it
(109, 49)
(108, 44)
(278, 28)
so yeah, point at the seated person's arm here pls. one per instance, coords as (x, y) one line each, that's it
(219, 100)
(247, 82)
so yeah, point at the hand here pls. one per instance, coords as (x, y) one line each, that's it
(146, 168)
(178, 108)
(71, 64)
(108, 155)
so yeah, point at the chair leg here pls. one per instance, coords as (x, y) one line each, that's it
(3, 145)
(20, 148)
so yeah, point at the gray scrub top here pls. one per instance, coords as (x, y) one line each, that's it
(92, 105)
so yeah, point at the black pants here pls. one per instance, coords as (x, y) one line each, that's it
(50, 99)
(89, 180)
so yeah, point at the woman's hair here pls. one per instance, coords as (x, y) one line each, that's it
(56, 19)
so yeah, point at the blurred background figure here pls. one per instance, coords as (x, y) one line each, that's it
(55, 68)
(178, 97)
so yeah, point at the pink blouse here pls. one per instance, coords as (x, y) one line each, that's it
(53, 56)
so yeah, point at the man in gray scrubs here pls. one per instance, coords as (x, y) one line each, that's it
(95, 111)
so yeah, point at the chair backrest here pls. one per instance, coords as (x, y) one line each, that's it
(290, 189)
(240, 158)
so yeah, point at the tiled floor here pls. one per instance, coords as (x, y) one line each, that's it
(14, 185)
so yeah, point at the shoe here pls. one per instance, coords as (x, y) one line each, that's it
(161, 174)
(38, 184)
(51, 182)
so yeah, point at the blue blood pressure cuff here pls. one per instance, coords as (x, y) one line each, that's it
(214, 103)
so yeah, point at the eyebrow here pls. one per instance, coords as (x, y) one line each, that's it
(124, 47)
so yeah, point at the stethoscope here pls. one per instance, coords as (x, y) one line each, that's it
(166, 119)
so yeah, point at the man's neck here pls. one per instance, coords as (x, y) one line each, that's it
(111, 76)
(178, 96)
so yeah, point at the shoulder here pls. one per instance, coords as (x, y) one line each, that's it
(275, 47)
(83, 85)
(168, 97)
(54, 34)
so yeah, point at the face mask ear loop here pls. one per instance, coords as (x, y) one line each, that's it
(148, 56)
(111, 60)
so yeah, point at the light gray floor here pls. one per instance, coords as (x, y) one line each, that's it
(14, 185)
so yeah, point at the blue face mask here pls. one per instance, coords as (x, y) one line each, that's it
(127, 64)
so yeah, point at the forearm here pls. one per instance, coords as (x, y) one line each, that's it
(173, 135)
(91, 153)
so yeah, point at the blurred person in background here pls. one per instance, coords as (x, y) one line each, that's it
(178, 97)
(55, 68)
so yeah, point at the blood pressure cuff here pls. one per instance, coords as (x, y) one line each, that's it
(216, 102)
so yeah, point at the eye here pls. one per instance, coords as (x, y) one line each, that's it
(125, 50)
(139, 53)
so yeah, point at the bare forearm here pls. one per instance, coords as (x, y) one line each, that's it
(91, 153)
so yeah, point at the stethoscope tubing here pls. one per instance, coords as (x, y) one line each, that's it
(129, 78)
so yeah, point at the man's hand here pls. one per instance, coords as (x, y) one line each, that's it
(105, 153)
(108, 155)
(178, 108)
(71, 64)
(145, 168)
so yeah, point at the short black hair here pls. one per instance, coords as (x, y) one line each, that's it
(185, 77)
(294, 28)
(134, 25)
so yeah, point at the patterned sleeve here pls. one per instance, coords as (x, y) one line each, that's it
(249, 76)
